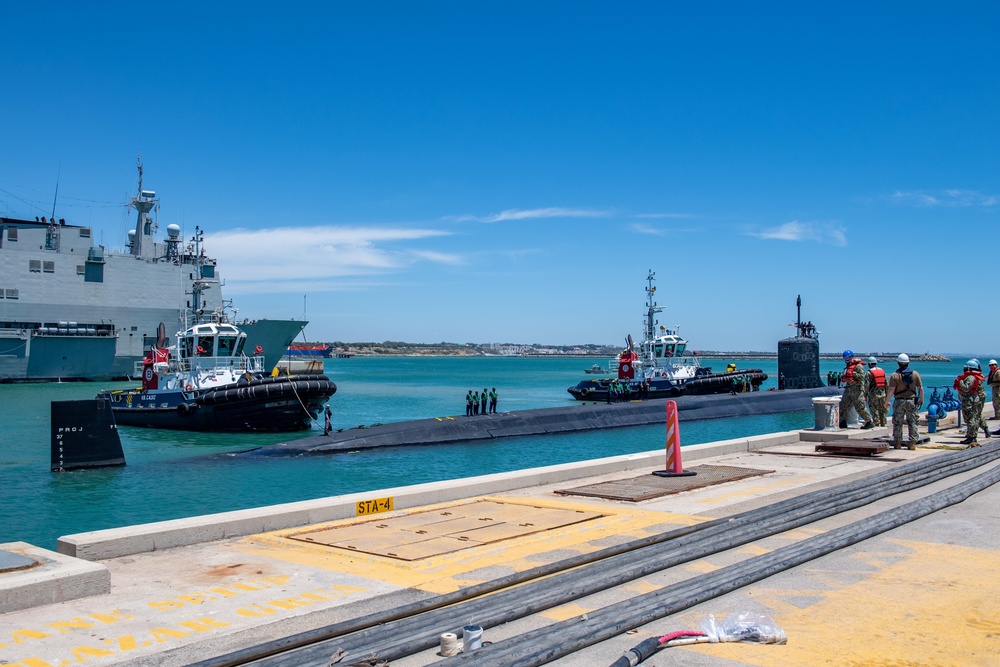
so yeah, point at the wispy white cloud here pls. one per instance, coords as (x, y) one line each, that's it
(281, 259)
(640, 228)
(438, 257)
(665, 216)
(820, 232)
(521, 254)
(952, 198)
(654, 230)
(526, 214)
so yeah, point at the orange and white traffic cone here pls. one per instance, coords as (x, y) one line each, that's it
(674, 466)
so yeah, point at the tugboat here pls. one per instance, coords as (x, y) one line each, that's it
(666, 366)
(205, 382)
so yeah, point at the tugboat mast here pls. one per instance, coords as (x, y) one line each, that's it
(651, 307)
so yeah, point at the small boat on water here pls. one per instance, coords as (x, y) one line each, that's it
(597, 369)
(665, 367)
(207, 383)
(310, 350)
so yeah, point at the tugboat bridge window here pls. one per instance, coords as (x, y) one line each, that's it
(12, 233)
(35, 265)
(226, 344)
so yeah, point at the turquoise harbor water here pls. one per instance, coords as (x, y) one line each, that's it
(172, 474)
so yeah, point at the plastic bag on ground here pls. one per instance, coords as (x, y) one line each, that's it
(744, 626)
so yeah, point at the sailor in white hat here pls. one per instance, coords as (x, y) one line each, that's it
(993, 380)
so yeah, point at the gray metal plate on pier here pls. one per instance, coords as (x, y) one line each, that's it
(10, 562)
(646, 487)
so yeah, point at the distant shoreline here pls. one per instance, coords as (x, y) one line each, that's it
(470, 353)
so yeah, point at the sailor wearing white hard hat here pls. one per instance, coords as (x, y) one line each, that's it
(972, 394)
(993, 380)
(907, 390)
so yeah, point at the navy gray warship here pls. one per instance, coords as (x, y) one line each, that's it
(73, 310)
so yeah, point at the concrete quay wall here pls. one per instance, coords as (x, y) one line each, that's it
(117, 542)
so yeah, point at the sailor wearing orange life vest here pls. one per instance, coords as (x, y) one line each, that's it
(971, 386)
(876, 392)
(855, 379)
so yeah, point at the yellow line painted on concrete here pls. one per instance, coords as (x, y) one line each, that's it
(948, 616)
(565, 611)
(700, 566)
(753, 550)
(767, 487)
(449, 572)
(641, 587)
(802, 533)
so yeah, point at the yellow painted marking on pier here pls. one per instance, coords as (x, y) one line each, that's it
(741, 490)
(641, 587)
(936, 605)
(448, 572)
(753, 550)
(700, 566)
(373, 506)
(565, 611)
(802, 533)
(419, 535)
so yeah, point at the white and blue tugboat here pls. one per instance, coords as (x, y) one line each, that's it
(665, 366)
(207, 382)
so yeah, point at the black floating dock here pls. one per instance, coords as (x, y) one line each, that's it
(571, 418)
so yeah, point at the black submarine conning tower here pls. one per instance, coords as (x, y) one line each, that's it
(798, 357)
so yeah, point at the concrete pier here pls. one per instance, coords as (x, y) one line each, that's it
(183, 591)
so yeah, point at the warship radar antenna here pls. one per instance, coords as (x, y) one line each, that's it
(143, 203)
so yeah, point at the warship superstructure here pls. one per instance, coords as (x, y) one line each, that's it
(73, 310)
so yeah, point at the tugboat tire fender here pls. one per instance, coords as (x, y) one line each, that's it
(301, 388)
(185, 409)
(585, 391)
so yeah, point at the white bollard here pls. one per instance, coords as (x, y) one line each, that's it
(826, 409)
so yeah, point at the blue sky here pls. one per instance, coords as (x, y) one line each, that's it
(488, 172)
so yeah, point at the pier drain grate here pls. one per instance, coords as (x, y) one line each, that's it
(445, 530)
(649, 486)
